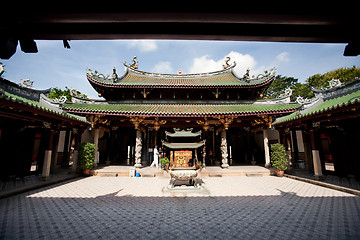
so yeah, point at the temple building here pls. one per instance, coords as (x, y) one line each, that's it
(36, 135)
(216, 118)
(141, 109)
(327, 128)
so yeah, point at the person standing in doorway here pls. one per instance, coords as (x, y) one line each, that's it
(156, 157)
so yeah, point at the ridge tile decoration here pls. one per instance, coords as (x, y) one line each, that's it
(189, 110)
(136, 78)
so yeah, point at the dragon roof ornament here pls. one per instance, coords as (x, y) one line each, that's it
(334, 83)
(287, 93)
(27, 83)
(227, 65)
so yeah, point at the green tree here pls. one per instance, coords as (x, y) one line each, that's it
(58, 92)
(321, 81)
(303, 90)
(279, 85)
(317, 81)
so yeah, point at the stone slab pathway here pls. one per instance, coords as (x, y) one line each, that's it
(140, 208)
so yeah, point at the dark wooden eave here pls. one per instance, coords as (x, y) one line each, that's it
(20, 111)
(333, 23)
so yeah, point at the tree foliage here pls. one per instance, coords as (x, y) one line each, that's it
(317, 81)
(303, 90)
(278, 86)
(58, 92)
(321, 81)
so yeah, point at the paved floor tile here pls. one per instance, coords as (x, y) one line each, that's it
(143, 208)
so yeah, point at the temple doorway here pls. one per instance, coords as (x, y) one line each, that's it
(121, 146)
(245, 147)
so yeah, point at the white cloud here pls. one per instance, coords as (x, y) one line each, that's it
(204, 64)
(207, 64)
(283, 57)
(162, 67)
(143, 45)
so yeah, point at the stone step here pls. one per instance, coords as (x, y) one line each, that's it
(148, 174)
(215, 175)
(254, 174)
(250, 171)
(126, 173)
(110, 174)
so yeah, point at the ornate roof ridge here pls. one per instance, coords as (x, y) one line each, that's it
(23, 91)
(321, 106)
(337, 89)
(334, 85)
(116, 80)
(176, 75)
(180, 110)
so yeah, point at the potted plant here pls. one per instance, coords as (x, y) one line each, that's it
(86, 157)
(279, 159)
(165, 163)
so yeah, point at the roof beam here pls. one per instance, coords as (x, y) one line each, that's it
(303, 23)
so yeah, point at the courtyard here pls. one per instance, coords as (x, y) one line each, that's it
(143, 208)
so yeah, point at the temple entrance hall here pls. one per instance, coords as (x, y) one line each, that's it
(223, 109)
(244, 147)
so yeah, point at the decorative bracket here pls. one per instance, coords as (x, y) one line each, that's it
(205, 123)
(95, 119)
(263, 119)
(217, 93)
(226, 121)
(157, 123)
(145, 92)
(136, 121)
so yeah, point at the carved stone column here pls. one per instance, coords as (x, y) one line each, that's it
(138, 149)
(223, 149)
(266, 148)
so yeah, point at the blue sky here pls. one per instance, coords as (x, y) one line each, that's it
(55, 66)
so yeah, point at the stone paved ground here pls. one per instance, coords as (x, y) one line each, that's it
(143, 208)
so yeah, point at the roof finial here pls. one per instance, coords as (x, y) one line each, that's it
(226, 65)
(114, 75)
(134, 64)
(27, 83)
(246, 76)
(334, 83)
(1, 69)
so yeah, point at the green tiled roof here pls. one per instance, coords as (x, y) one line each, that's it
(324, 107)
(178, 110)
(136, 78)
(36, 105)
